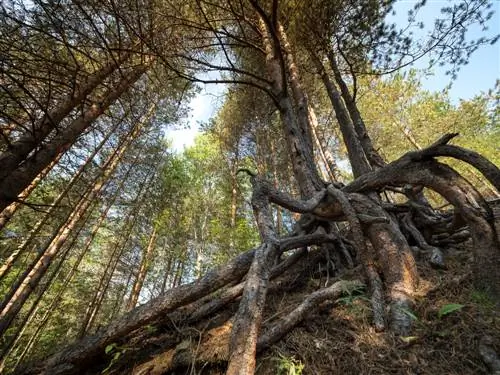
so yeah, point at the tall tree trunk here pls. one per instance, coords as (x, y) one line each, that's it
(328, 162)
(243, 342)
(141, 274)
(120, 299)
(10, 210)
(168, 274)
(104, 282)
(22, 289)
(20, 178)
(376, 161)
(359, 162)
(55, 205)
(298, 139)
(19, 150)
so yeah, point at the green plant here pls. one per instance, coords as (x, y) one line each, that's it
(352, 295)
(409, 313)
(115, 351)
(289, 366)
(448, 309)
(150, 329)
(483, 299)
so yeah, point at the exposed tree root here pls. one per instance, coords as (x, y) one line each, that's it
(376, 237)
(213, 345)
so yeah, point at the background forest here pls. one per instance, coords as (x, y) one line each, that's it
(99, 214)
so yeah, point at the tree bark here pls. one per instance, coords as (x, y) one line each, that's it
(20, 178)
(20, 291)
(19, 150)
(359, 162)
(417, 169)
(10, 210)
(299, 146)
(376, 161)
(141, 274)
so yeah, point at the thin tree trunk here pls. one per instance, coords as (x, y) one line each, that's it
(178, 273)
(121, 300)
(376, 161)
(279, 217)
(19, 150)
(20, 291)
(10, 210)
(54, 206)
(141, 275)
(359, 162)
(329, 164)
(20, 178)
(168, 272)
(104, 281)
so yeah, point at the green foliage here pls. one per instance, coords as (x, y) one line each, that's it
(449, 308)
(401, 117)
(352, 295)
(483, 299)
(116, 352)
(409, 313)
(289, 366)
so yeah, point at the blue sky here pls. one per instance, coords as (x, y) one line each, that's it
(479, 75)
(484, 66)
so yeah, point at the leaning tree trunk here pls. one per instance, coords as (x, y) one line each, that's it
(376, 161)
(357, 157)
(10, 210)
(19, 150)
(20, 178)
(22, 289)
(141, 273)
(55, 205)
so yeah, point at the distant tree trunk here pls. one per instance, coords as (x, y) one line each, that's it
(274, 168)
(19, 150)
(328, 162)
(234, 201)
(20, 178)
(54, 205)
(178, 273)
(22, 289)
(168, 273)
(141, 274)
(121, 299)
(120, 246)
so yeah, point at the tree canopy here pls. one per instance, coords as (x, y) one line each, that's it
(329, 188)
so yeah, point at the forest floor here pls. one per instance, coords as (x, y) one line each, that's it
(337, 337)
(340, 339)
